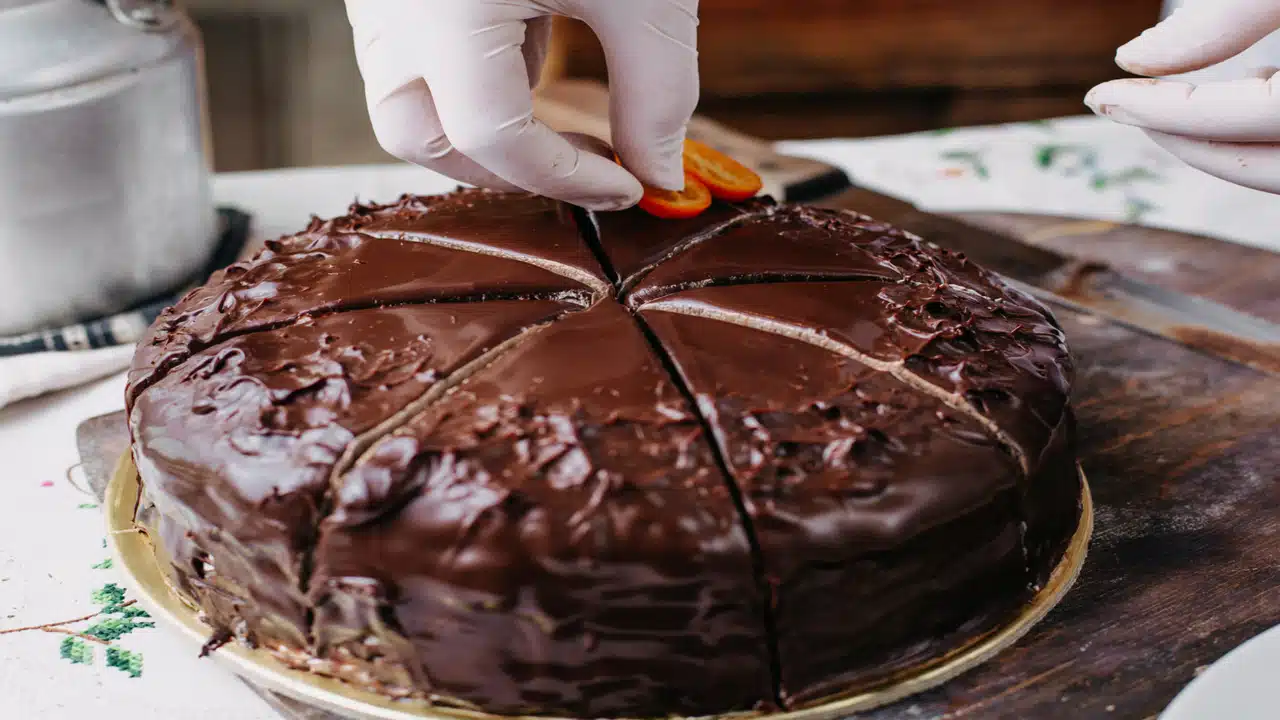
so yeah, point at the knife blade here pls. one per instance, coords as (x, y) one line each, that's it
(101, 441)
(1052, 277)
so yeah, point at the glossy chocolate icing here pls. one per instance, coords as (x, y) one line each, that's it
(531, 228)
(786, 243)
(331, 267)
(236, 446)
(1002, 360)
(438, 449)
(840, 469)
(635, 241)
(558, 515)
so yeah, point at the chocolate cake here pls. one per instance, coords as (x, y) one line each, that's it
(490, 451)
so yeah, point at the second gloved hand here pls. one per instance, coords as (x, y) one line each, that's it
(448, 85)
(1228, 129)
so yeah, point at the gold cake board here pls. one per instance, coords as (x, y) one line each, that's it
(135, 555)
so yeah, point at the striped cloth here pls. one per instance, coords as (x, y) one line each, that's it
(126, 328)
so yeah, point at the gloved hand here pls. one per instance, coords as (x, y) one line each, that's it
(1227, 129)
(448, 84)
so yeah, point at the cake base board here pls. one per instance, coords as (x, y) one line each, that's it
(135, 554)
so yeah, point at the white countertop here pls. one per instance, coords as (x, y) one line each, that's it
(49, 544)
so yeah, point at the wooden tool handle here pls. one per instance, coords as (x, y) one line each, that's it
(583, 107)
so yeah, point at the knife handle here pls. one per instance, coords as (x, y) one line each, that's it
(582, 106)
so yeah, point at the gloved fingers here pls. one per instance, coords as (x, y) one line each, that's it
(472, 58)
(407, 126)
(537, 43)
(384, 22)
(652, 56)
(1252, 165)
(401, 110)
(1198, 35)
(1245, 110)
(385, 63)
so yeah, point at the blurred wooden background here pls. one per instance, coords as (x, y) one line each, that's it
(285, 91)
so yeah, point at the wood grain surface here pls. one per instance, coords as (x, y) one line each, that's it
(1182, 451)
(854, 68)
(750, 47)
(1183, 456)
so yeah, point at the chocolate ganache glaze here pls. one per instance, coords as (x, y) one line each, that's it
(492, 452)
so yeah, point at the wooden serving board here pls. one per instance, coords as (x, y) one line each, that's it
(1182, 451)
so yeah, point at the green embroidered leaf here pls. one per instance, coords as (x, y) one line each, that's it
(1047, 156)
(942, 131)
(87, 506)
(971, 158)
(1136, 208)
(109, 629)
(1133, 174)
(1124, 177)
(125, 661)
(110, 595)
(133, 611)
(104, 565)
(115, 628)
(76, 650)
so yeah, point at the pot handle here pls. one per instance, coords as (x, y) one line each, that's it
(144, 15)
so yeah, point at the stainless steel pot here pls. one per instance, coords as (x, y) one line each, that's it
(104, 176)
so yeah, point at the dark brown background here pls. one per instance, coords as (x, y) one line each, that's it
(828, 68)
(285, 89)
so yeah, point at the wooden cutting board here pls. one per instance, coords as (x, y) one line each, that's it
(1182, 451)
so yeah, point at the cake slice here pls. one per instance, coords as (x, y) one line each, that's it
(529, 228)
(890, 526)
(552, 536)
(1002, 363)
(794, 243)
(236, 445)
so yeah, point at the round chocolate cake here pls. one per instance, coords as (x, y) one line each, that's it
(495, 452)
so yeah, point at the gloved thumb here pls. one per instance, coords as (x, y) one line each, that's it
(1199, 34)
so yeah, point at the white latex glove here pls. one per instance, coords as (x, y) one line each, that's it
(1227, 129)
(448, 84)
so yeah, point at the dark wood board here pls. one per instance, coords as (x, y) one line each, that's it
(1182, 451)
(857, 68)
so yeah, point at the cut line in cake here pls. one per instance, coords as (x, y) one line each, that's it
(813, 337)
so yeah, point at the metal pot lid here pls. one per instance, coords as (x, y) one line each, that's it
(51, 44)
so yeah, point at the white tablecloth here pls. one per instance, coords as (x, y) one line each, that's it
(51, 537)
